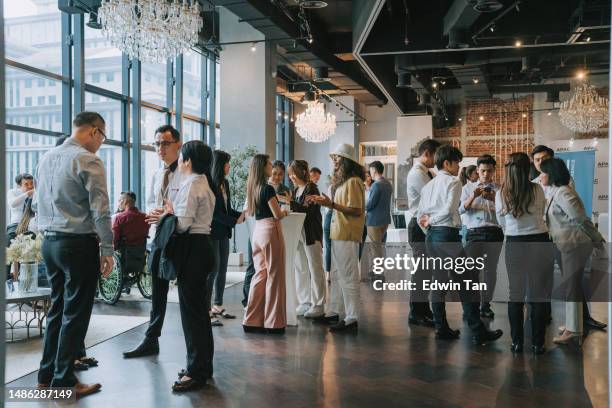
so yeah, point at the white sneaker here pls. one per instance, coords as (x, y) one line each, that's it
(302, 309)
(314, 312)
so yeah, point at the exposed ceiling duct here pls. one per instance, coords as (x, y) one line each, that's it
(487, 6)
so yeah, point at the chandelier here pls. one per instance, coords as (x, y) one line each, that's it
(151, 30)
(585, 111)
(314, 125)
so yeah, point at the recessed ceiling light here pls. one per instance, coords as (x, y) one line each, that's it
(588, 39)
(518, 43)
(434, 85)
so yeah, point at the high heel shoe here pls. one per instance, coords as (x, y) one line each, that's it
(567, 337)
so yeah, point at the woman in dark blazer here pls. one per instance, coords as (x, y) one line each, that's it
(224, 220)
(310, 277)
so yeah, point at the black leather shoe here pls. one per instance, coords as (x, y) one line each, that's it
(421, 321)
(537, 350)
(487, 312)
(184, 372)
(280, 330)
(326, 319)
(253, 329)
(594, 324)
(447, 334)
(188, 385)
(516, 348)
(343, 327)
(487, 336)
(148, 347)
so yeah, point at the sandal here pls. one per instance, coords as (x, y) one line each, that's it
(89, 361)
(221, 312)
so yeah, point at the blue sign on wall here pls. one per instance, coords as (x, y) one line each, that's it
(581, 165)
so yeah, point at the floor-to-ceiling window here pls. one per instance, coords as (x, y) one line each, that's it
(46, 50)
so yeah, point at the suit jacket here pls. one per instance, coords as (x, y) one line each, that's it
(164, 258)
(378, 205)
(313, 224)
(224, 217)
(568, 224)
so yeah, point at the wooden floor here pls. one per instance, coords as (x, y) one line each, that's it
(387, 364)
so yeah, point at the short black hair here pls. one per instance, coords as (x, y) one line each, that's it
(87, 118)
(60, 140)
(447, 152)
(278, 164)
(378, 166)
(315, 170)
(429, 145)
(486, 159)
(130, 194)
(23, 176)
(200, 155)
(176, 136)
(542, 148)
(557, 171)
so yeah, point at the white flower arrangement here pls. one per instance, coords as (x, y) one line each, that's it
(25, 249)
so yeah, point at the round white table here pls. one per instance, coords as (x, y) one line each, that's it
(292, 232)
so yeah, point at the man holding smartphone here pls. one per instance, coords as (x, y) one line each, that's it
(485, 236)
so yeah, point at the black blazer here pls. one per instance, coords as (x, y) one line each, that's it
(313, 224)
(224, 217)
(161, 261)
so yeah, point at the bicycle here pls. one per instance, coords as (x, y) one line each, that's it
(111, 287)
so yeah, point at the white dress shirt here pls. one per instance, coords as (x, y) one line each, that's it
(16, 200)
(194, 205)
(416, 179)
(550, 190)
(175, 180)
(529, 223)
(440, 200)
(482, 211)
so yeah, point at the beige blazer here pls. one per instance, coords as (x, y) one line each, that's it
(567, 221)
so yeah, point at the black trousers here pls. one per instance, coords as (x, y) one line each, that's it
(10, 234)
(486, 242)
(529, 262)
(192, 279)
(246, 286)
(216, 279)
(445, 242)
(73, 268)
(159, 301)
(419, 303)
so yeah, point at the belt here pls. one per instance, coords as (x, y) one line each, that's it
(67, 235)
(486, 228)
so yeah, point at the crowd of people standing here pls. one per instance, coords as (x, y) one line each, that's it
(189, 220)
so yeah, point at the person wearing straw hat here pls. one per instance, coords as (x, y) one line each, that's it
(348, 219)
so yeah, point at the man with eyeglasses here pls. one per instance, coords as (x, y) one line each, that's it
(72, 206)
(164, 186)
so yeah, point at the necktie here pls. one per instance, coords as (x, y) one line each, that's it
(163, 193)
(429, 174)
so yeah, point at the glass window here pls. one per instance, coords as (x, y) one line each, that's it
(110, 109)
(154, 83)
(28, 83)
(150, 162)
(41, 83)
(151, 120)
(218, 95)
(192, 83)
(52, 100)
(112, 158)
(40, 47)
(18, 96)
(102, 58)
(191, 130)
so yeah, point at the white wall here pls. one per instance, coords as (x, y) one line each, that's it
(382, 123)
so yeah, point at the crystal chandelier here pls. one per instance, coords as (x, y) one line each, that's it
(314, 125)
(151, 30)
(585, 111)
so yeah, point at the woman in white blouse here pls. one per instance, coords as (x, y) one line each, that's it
(194, 207)
(520, 206)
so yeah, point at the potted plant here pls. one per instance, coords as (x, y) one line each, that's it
(237, 178)
(26, 249)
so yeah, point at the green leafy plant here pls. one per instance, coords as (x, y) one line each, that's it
(237, 178)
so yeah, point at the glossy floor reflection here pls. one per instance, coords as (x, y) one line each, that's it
(387, 364)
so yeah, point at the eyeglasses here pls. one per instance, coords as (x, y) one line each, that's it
(164, 143)
(103, 134)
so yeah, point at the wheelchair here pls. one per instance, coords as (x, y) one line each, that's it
(130, 268)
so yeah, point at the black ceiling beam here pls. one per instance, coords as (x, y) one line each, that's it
(266, 8)
(536, 88)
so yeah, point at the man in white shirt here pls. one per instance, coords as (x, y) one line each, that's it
(418, 176)
(16, 199)
(164, 186)
(438, 212)
(485, 236)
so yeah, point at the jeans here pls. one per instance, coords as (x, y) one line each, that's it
(445, 242)
(529, 262)
(73, 267)
(216, 279)
(486, 242)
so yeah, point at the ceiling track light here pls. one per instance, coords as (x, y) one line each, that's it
(518, 43)
(253, 47)
(487, 6)
(312, 4)
(475, 80)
